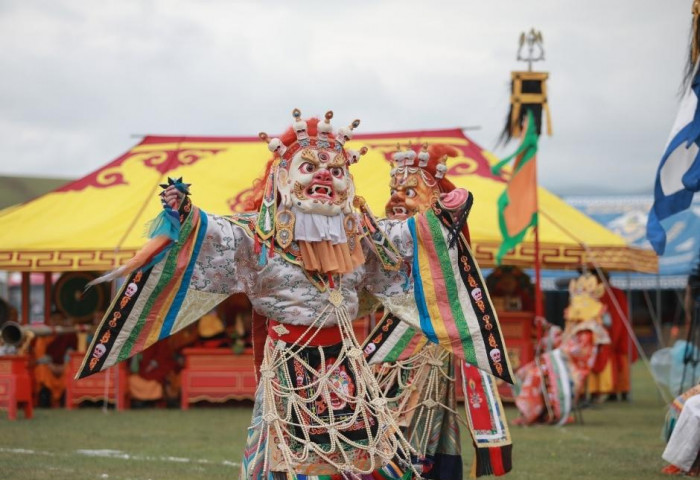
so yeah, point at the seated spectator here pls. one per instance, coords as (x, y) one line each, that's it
(51, 354)
(151, 372)
(511, 289)
(212, 331)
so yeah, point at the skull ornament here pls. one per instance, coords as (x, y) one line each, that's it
(477, 294)
(495, 355)
(131, 290)
(370, 349)
(301, 130)
(99, 351)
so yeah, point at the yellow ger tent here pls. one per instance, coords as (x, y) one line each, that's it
(97, 222)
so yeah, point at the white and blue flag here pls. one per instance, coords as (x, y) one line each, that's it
(678, 177)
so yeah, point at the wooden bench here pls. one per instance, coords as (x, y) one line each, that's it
(15, 385)
(93, 387)
(217, 375)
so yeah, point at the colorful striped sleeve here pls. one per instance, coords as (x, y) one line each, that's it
(451, 297)
(158, 301)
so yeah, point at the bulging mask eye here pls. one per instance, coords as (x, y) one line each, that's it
(410, 193)
(337, 172)
(307, 167)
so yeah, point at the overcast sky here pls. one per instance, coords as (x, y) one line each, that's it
(78, 78)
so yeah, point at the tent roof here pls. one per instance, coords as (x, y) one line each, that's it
(97, 222)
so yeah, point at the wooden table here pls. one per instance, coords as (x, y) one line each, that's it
(15, 385)
(217, 375)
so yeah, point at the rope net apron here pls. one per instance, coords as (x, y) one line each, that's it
(420, 392)
(319, 409)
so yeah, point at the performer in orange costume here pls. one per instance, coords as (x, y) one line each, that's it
(611, 371)
(50, 354)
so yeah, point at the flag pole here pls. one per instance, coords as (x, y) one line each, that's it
(528, 104)
(539, 299)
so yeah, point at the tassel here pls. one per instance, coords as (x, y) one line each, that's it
(495, 461)
(407, 281)
(483, 462)
(155, 247)
(262, 258)
(167, 223)
(256, 245)
(163, 231)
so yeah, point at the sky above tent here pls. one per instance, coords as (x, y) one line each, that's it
(79, 78)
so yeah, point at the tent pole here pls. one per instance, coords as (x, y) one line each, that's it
(629, 339)
(25, 297)
(655, 320)
(658, 306)
(47, 297)
(539, 310)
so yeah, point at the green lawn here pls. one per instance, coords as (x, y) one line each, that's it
(617, 441)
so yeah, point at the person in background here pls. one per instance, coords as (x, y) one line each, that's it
(611, 372)
(150, 371)
(85, 338)
(691, 305)
(550, 386)
(51, 354)
(236, 313)
(510, 287)
(212, 331)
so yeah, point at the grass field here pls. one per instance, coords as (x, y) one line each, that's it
(617, 441)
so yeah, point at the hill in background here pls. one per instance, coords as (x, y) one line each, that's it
(15, 190)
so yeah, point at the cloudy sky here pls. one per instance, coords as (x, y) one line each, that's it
(80, 78)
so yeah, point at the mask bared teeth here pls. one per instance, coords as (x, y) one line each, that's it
(320, 190)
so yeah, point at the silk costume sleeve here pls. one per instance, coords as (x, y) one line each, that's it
(209, 262)
(445, 296)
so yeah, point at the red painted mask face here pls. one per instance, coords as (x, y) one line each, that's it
(410, 194)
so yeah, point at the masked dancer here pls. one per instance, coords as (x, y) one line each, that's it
(302, 258)
(421, 386)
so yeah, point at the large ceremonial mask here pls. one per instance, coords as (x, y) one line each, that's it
(302, 259)
(309, 195)
(418, 179)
